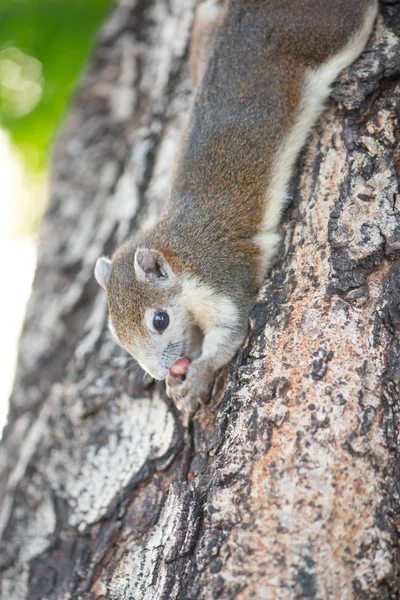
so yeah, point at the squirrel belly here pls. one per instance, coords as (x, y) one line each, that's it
(185, 288)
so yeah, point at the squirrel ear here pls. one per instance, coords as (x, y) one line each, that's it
(102, 271)
(152, 266)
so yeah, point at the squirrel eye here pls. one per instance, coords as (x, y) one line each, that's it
(161, 321)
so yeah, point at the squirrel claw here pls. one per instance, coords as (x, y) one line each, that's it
(187, 393)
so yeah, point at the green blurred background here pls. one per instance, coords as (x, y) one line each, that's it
(43, 47)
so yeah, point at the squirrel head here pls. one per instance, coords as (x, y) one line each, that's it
(146, 311)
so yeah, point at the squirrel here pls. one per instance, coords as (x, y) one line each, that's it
(179, 296)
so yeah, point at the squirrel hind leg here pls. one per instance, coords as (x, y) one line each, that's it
(207, 18)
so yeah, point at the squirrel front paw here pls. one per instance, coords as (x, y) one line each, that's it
(188, 392)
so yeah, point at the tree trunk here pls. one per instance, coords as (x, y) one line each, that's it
(286, 484)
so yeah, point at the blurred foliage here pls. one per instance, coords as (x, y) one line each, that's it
(43, 47)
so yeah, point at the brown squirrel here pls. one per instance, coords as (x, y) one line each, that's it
(180, 295)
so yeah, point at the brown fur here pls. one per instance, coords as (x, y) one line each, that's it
(127, 316)
(245, 104)
(251, 68)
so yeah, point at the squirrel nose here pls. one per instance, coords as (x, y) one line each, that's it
(156, 371)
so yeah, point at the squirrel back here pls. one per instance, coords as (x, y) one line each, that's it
(265, 83)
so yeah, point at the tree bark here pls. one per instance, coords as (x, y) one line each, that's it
(286, 484)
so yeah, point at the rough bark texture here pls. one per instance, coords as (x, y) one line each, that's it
(287, 484)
